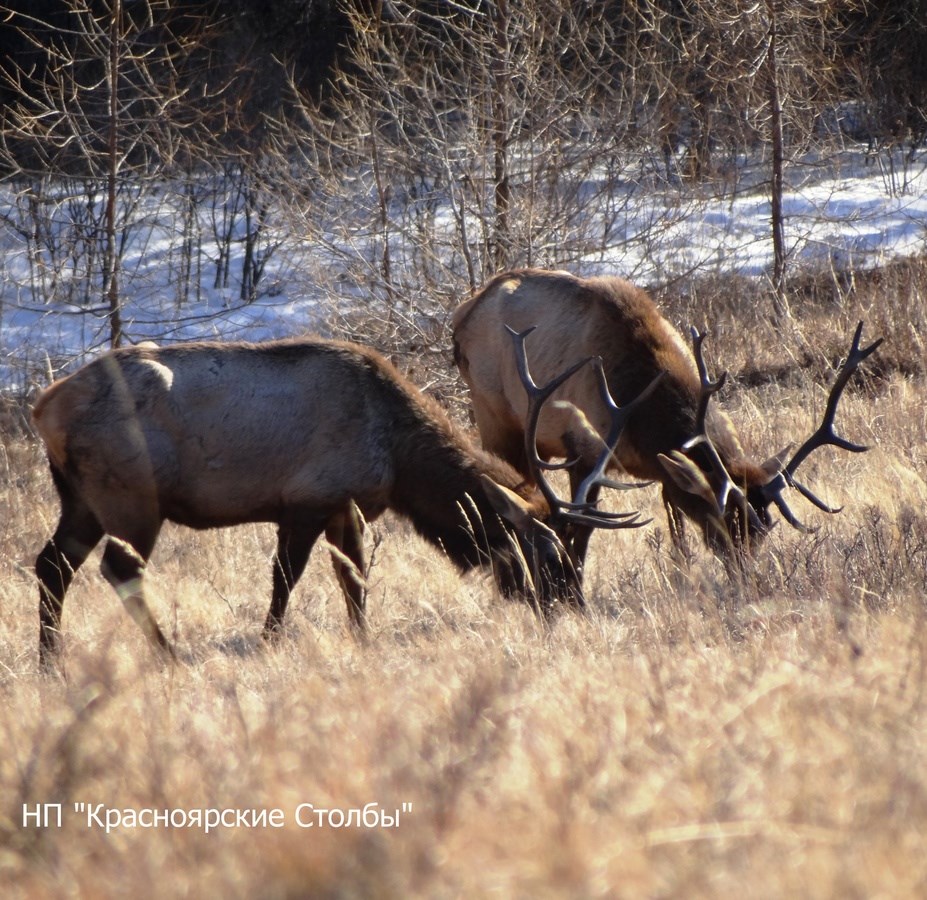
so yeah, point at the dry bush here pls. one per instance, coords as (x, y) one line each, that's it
(825, 307)
(693, 735)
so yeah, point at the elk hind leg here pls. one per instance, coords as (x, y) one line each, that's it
(498, 436)
(124, 568)
(78, 532)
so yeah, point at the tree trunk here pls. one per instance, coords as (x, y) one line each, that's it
(111, 259)
(778, 164)
(500, 134)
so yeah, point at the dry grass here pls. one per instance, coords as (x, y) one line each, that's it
(691, 736)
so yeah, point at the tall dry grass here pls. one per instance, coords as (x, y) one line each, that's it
(692, 736)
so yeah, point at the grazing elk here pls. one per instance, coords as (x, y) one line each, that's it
(304, 433)
(671, 437)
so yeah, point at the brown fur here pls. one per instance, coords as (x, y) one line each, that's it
(304, 433)
(577, 318)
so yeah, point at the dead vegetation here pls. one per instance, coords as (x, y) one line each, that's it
(691, 736)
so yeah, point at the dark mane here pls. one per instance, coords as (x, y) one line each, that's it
(438, 467)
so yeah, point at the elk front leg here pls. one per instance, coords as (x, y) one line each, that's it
(294, 544)
(345, 532)
(579, 535)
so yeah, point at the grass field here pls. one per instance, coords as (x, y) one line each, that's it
(692, 736)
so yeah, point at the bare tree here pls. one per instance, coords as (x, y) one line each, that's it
(763, 76)
(511, 117)
(885, 71)
(96, 117)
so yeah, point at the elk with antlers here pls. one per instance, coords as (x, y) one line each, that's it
(307, 434)
(668, 434)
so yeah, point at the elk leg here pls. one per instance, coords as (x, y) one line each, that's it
(78, 532)
(345, 532)
(124, 568)
(294, 544)
(578, 544)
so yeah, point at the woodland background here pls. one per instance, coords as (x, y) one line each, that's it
(244, 170)
(164, 165)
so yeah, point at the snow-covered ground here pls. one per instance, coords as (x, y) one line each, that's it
(857, 215)
(853, 215)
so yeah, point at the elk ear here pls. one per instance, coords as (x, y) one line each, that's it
(688, 476)
(774, 465)
(508, 504)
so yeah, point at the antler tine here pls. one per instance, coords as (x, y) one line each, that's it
(536, 398)
(825, 433)
(789, 516)
(608, 521)
(823, 436)
(580, 513)
(709, 387)
(619, 416)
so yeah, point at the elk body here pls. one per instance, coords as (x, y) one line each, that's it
(302, 433)
(670, 438)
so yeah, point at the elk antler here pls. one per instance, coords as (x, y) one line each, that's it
(727, 488)
(709, 387)
(582, 511)
(619, 416)
(824, 436)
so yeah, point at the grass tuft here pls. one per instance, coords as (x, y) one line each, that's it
(692, 735)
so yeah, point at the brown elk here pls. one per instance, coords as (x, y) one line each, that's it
(308, 434)
(670, 438)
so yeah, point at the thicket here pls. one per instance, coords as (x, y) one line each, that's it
(418, 146)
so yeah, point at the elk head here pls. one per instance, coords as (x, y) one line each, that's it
(739, 508)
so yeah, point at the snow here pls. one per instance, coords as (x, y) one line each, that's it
(856, 214)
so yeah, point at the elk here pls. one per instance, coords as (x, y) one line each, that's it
(669, 437)
(310, 434)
